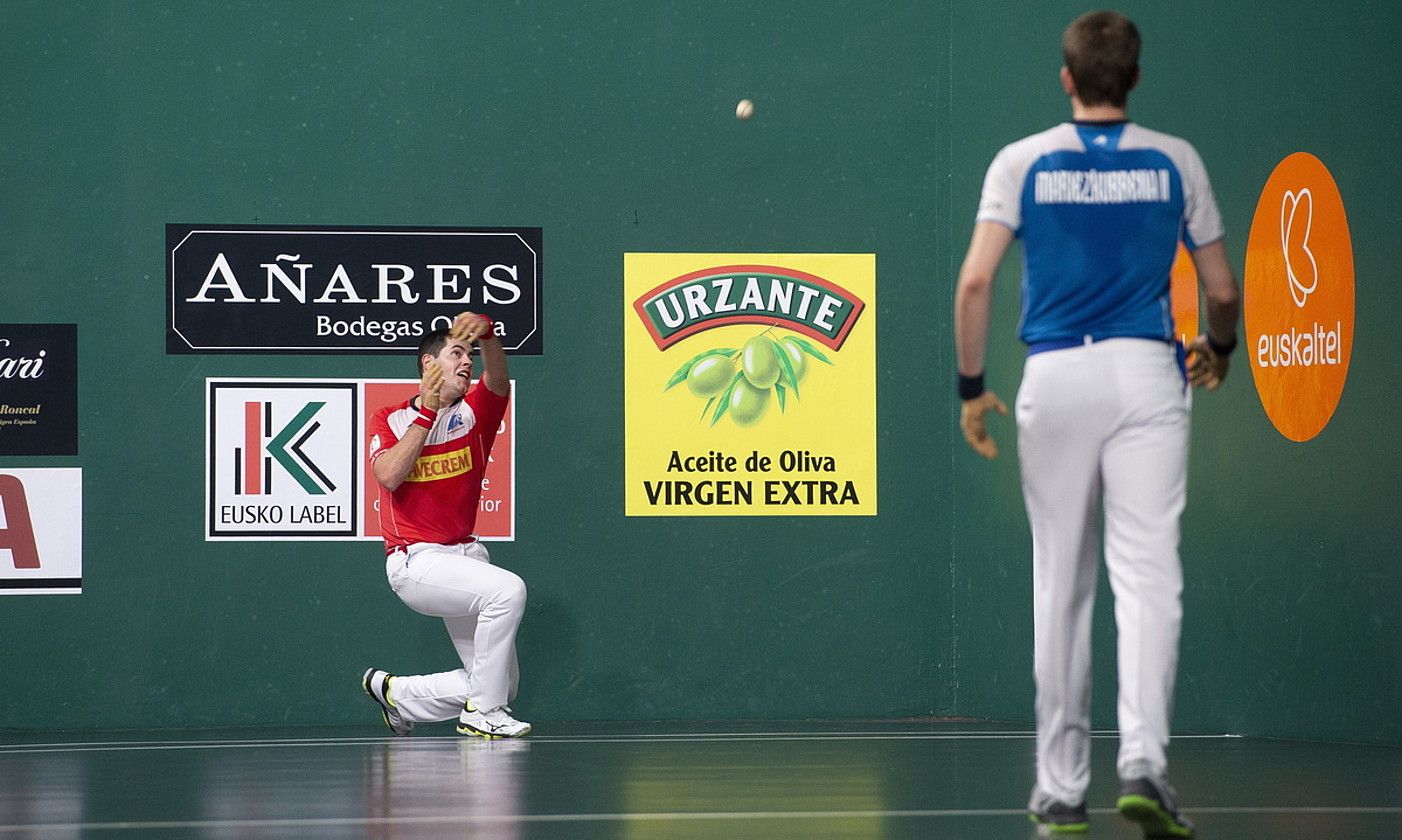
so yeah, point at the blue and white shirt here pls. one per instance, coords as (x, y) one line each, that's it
(1100, 209)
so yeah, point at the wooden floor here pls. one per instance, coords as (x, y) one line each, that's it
(673, 781)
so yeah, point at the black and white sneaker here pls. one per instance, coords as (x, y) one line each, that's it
(376, 685)
(1057, 817)
(493, 723)
(1151, 802)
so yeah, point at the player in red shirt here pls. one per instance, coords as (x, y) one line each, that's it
(429, 454)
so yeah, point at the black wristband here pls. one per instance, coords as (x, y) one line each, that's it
(970, 386)
(1221, 349)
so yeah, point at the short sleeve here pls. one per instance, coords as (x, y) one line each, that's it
(488, 407)
(382, 437)
(1202, 220)
(1000, 201)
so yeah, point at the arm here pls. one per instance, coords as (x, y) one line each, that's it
(471, 327)
(1208, 367)
(393, 465)
(973, 298)
(972, 305)
(494, 373)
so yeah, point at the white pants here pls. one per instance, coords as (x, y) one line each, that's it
(481, 605)
(1103, 428)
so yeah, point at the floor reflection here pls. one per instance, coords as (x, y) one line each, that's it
(476, 784)
(44, 789)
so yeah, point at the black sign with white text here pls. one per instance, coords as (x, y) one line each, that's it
(38, 389)
(316, 289)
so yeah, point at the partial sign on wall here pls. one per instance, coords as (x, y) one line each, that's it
(282, 459)
(496, 510)
(38, 389)
(1183, 295)
(311, 289)
(41, 531)
(1299, 297)
(287, 460)
(750, 384)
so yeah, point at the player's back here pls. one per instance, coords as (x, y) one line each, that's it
(1100, 208)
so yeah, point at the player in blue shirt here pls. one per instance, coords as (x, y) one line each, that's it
(1100, 205)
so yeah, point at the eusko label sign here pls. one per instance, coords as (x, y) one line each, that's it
(287, 459)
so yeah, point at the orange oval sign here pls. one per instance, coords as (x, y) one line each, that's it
(1299, 297)
(1183, 295)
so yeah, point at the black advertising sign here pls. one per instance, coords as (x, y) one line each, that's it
(38, 389)
(317, 289)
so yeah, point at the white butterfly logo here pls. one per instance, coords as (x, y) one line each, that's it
(1290, 212)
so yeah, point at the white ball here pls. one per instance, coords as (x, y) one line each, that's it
(744, 110)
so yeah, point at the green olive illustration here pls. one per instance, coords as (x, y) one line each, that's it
(797, 359)
(709, 376)
(747, 403)
(760, 363)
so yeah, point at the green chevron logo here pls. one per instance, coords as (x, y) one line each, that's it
(292, 458)
(285, 447)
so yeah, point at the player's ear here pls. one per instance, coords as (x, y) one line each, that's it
(1068, 84)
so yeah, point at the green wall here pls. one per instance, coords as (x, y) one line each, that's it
(610, 126)
(1290, 551)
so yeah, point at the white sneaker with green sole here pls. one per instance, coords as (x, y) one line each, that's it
(493, 723)
(376, 685)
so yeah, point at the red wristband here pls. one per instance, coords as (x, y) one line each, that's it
(426, 417)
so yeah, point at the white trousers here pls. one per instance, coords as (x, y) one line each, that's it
(1103, 429)
(481, 605)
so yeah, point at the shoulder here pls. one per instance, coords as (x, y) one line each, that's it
(484, 400)
(396, 417)
(1030, 149)
(1180, 151)
(384, 412)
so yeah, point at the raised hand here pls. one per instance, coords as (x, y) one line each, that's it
(470, 327)
(430, 385)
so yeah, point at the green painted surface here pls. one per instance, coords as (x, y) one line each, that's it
(611, 126)
(1290, 551)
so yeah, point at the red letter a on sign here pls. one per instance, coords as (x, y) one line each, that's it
(18, 533)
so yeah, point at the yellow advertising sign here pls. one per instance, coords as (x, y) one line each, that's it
(750, 384)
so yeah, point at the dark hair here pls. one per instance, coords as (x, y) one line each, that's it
(432, 345)
(1102, 52)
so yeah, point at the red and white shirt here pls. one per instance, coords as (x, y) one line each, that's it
(437, 502)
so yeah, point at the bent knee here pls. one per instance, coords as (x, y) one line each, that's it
(513, 592)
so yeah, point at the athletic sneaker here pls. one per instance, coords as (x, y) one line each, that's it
(1150, 802)
(376, 684)
(1056, 816)
(493, 723)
